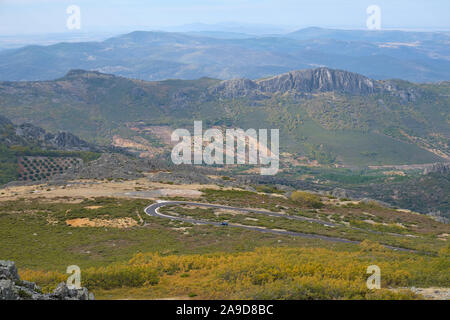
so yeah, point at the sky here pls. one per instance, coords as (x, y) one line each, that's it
(49, 16)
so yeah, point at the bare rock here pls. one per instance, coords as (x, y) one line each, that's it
(8, 271)
(12, 288)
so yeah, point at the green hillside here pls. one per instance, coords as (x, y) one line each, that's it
(348, 119)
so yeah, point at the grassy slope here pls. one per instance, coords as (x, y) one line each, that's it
(35, 235)
(366, 148)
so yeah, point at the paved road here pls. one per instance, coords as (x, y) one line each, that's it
(152, 210)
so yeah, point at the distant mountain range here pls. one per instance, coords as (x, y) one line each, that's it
(413, 56)
(396, 36)
(328, 115)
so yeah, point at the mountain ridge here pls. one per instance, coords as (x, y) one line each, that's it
(303, 81)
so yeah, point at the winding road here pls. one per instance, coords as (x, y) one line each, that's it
(152, 210)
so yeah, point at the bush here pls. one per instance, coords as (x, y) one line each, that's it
(268, 189)
(307, 199)
(369, 246)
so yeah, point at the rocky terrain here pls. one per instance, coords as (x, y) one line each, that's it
(441, 168)
(29, 135)
(304, 81)
(432, 293)
(112, 166)
(13, 288)
(60, 141)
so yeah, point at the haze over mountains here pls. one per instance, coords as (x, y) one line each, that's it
(413, 56)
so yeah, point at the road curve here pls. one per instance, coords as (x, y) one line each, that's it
(152, 210)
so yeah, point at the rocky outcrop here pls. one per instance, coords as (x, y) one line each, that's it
(320, 80)
(300, 81)
(438, 216)
(112, 166)
(68, 141)
(8, 271)
(60, 141)
(12, 288)
(236, 88)
(8, 136)
(27, 134)
(441, 168)
(339, 193)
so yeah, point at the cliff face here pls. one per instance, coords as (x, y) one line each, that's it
(320, 80)
(301, 81)
(236, 88)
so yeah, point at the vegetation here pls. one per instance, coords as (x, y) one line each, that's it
(8, 165)
(161, 258)
(14, 164)
(264, 273)
(350, 226)
(306, 199)
(35, 235)
(38, 168)
(86, 156)
(329, 127)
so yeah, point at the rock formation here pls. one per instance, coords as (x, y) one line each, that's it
(12, 288)
(300, 81)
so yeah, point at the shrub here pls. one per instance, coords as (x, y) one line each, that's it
(307, 199)
(368, 246)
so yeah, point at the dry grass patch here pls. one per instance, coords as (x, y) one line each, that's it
(113, 223)
(93, 207)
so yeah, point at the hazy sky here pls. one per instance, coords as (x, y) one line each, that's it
(43, 16)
